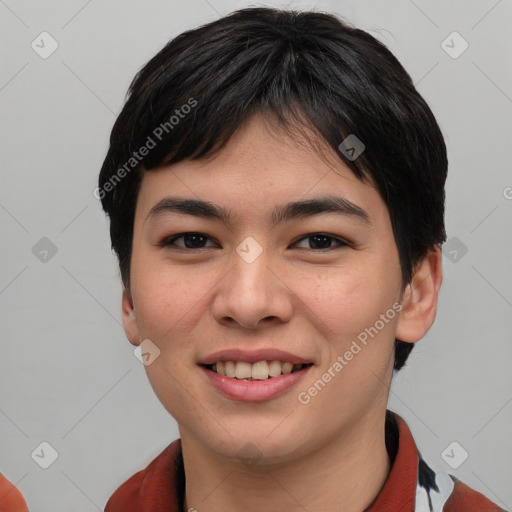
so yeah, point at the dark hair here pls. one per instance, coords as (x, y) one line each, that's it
(305, 69)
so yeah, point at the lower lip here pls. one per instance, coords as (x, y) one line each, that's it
(254, 390)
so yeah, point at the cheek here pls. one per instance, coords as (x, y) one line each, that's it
(346, 304)
(165, 301)
(344, 299)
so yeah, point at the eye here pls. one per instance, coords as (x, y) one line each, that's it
(322, 241)
(192, 241)
(196, 241)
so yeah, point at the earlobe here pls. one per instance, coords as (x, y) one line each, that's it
(129, 318)
(419, 301)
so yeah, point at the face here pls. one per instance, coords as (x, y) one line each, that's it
(315, 289)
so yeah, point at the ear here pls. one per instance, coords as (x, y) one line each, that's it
(129, 319)
(419, 301)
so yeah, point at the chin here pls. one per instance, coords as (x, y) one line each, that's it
(254, 443)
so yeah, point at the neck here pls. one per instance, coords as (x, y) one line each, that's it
(348, 470)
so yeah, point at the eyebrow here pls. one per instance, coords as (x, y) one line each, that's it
(281, 213)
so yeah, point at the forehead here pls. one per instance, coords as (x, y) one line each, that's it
(262, 165)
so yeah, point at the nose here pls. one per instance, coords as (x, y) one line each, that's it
(252, 292)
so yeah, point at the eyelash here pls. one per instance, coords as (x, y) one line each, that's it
(169, 241)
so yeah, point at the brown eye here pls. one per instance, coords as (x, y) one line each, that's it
(322, 241)
(190, 241)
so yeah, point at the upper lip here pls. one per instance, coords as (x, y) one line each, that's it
(253, 356)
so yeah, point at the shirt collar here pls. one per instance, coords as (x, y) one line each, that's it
(399, 490)
(163, 485)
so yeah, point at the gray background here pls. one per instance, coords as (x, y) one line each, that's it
(69, 377)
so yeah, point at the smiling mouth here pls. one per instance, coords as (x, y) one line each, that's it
(261, 370)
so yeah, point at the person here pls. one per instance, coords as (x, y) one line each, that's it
(275, 190)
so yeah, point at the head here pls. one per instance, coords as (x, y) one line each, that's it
(248, 113)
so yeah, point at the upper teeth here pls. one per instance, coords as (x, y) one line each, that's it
(257, 371)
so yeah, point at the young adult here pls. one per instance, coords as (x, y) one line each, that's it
(275, 188)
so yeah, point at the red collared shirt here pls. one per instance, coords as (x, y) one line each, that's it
(411, 486)
(11, 499)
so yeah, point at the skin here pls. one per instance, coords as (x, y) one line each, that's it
(296, 297)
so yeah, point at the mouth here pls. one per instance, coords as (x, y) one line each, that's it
(257, 371)
(257, 381)
(255, 375)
